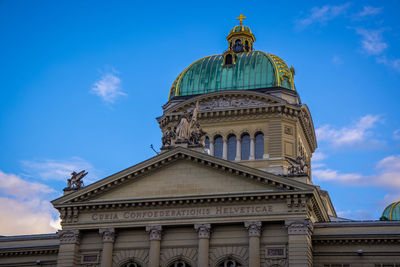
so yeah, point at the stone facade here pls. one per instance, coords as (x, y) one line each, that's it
(189, 207)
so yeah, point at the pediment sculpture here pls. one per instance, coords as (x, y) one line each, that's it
(75, 182)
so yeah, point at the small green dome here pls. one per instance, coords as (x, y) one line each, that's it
(250, 70)
(240, 28)
(391, 212)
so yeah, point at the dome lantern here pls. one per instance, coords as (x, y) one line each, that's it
(240, 38)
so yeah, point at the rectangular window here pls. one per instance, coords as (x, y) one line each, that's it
(90, 258)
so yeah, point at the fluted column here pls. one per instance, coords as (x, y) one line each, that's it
(254, 228)
(299, 242)
(108, 235)
(155, 240)
(224, 149)
(252, 149)
(203, 232)
(68, 255)
(238, 149)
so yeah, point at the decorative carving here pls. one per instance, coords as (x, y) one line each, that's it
(168, 136)
(298, 166)
(288, 130)
(108, 234)
(203, 230)
(299, 227)
(155, 232)
(254, 228)
(68, 236)
(186, 131)
(228, 102)
(75, 182)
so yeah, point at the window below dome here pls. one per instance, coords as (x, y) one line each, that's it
(231, 147)
(259, 145)
(218, 146)
(245, 147)
(179, 264)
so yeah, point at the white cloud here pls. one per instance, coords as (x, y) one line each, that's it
(334, 175)
(351, 135)
(368, 11)
(49, 169)
(389, 173)
(392, 63)
(356, 214)
(108, 87)
(372, 42)
(320, 15)
(25, 207)
(387, 176)
(318, 156)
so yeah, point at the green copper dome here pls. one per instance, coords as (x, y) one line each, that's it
(249, 70)
(240, 28)
(392, 212)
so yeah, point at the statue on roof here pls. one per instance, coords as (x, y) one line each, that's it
(75, 182)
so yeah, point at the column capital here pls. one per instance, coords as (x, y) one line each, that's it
(154, 232)
(299, 227)
(203, 230)
(254, 228)
(69, 236)
(108, 234)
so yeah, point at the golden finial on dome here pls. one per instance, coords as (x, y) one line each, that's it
(241, 18)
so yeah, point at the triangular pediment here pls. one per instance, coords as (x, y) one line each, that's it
(181, 172)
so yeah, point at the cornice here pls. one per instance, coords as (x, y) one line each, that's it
(28, 250)
(356, 238)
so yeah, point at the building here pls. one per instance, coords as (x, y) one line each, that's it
(231, 187)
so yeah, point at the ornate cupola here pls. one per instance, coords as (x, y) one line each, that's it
(240, 38)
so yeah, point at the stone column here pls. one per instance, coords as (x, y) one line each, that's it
(252, 149)
(203, 231)
(238, 149)
(299, 243)
(212, 147)
(254, 228)
(155, 240)
(224, 149)
(108, 235)
(68, 254)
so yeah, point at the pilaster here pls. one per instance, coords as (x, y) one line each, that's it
(155, 232)
(254, 228)
(300, 243)
(203, 232)
(68, 255)
(108, 235)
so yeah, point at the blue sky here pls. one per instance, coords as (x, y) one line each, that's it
(82, 82)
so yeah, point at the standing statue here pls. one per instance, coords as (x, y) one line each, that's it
(187, 130)
(183, 127)
(75, 182)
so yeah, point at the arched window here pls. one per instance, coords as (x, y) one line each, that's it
(228, 59)
(259, 146)
(245, 151)
(230, 263)
(131, 264)
(207, 143)
(231, 147)
(179, 263)
(218, 144)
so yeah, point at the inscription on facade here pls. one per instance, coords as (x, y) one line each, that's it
(181, 213)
